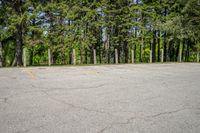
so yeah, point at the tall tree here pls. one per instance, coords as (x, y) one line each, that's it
(16, 11)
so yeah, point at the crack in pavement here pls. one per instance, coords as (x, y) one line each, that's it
(134, 118)
(165, 113)
(76, 88)
(72, 88)
(128, 121)
(78, 107)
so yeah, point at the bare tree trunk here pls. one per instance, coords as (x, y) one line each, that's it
(18, 50)
(108, 50)
(135, 53)
(150, 56)
(100, 56)
(61, 23)
(86, 59)
(91, 55)
(119, 55)
(24, 57)
(162, 55)
(188, 52)
(49, 57)
(116, 56)
(108, 55)
(126, 52)
(132, 56)
(19, 33)
(31, 56)
(165, 49)
(142, 39)
(63, 56)
(165, 42)
(178, 52)
(183, 56)
(141, 49)
(171, 51)
(154, 47)
(54, 58)
(70, 57)
(1, 55)
(74, 57)
(81, 56)
(34, 38)
(159, 46)
(94, 56)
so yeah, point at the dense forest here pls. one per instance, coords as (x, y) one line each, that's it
(128, 26)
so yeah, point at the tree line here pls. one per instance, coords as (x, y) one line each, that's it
(141, 26)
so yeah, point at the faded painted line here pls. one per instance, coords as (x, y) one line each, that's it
(90, 71)
(30, 73)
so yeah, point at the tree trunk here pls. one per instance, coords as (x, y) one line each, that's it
(126, 51)
(86, 59)
(108, 55)
(54, 56)
(74, 57)
(169, 51)
(91, 55)
(178, 51)
(94, 56)
(63, 55)
(141, 49)
(49, 56)
(19, 41)
(188, 52)
(132, 56)
(1, 55)
(62, 34)
(63, 51)
(17, 5)
(135, 53)
(70, 57)
(154, 47)
(158, 46)
(165, 49)
(116, 56)
(100, 56)
(34, 38)
(31, 56)
(183, 56)
(119, 55)
(165, 42)
(81, 56)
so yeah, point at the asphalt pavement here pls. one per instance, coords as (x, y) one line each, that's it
(140, 98)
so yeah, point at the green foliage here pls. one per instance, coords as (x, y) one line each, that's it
(96, 24)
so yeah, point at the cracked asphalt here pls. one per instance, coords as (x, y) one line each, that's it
(142, 98)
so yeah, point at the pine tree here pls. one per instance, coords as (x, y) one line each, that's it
(16, 12)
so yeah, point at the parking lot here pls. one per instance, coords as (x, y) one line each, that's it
(140, 98)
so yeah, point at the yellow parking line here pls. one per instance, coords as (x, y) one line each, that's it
(30, 74)
(91, 71)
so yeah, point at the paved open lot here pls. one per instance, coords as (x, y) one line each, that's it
(145, 98)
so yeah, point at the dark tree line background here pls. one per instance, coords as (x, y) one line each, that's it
(104, 25)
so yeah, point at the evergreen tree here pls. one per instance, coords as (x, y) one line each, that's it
(104, 25)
